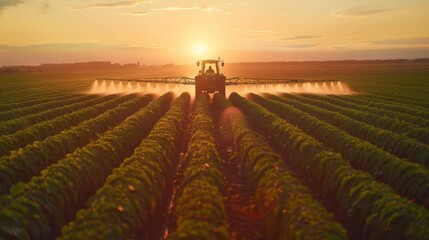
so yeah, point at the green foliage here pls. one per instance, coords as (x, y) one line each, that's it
(402, 101)
(47, 201)
(397, 144)
(43, 129)
(377, 120)
(15, 113)
(200, 207)
(346, 102)
(131, 194)
(407, 178)
(373, 206)
(30, 160)
(291, 210)
(35, 99)
(391, 104)
(25, 122)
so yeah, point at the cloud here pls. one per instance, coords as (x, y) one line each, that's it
(43, 5)
(300, 46)
(139, 13)
(302, 37)
(46, 5)
(363, 11)
(204, 9)
(170, 9)
(72, 46)
(341, 48)
(258, 31)
(286, 14)
(9, 3)
(402, 41)
(117, 4)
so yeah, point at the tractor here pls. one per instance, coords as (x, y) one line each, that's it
(209, 78)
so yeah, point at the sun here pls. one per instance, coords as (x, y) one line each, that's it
(200, 49)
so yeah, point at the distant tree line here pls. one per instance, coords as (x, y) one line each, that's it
(370, 61)
(81, 66)
(106, 66)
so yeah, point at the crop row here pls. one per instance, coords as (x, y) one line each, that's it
(406, 99)
(32, 159)
(200, 208)
(407, 178)
(15, 113)
(389, 105)
(390, 124)
(407, 92)
(397, 144)
(374, 110)
(132, 193)
(372, 206)
(41, 130)
(38, 209)
(26, 102)
(292, 212)
(26, 98)
(14, 125)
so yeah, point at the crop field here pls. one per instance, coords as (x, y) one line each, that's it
(77, 162)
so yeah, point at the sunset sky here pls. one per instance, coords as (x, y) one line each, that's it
(180, 32)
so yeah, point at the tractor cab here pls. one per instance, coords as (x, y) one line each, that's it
(210, 67)
(209, 78)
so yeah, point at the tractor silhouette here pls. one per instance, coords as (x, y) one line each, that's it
(210, 79)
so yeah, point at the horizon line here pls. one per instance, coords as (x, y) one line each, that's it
(243, 62)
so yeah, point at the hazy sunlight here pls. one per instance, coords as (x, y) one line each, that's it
(200, 49)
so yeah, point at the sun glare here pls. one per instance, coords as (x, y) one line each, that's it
(200, 49)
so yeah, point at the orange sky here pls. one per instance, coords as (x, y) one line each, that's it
(173, 31)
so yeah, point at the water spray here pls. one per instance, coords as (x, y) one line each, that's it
(210, 80)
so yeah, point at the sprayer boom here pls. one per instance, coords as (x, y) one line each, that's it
(210, 79)
(174, 80)
(229, 81)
